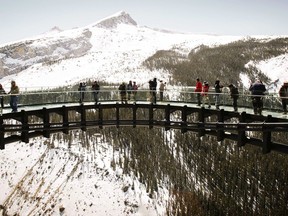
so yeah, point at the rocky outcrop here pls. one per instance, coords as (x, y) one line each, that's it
(113, 21)
(19, 56)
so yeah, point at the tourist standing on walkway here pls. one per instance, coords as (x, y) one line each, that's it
(198, 91)
(153, 88)
(218, 90)
(129, 89)
(2, 92)
(234, 93)
(283, 93)
(82, 89)
(257, 89)
(135, 88)
(161, 89)
(96, 89)
(14, 91)
(123, 92)
(205, 95)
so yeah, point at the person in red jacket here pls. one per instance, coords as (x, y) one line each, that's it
(198, 91)
(205, 95)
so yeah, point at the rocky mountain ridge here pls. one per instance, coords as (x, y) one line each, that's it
(113, 44)
(109, 50)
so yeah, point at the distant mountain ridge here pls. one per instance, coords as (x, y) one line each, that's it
(109, 50)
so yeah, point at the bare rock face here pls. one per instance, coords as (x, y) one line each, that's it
(19, 56)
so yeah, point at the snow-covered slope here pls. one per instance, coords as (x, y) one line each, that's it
(111, 50)
(78, 181)
(40, 180)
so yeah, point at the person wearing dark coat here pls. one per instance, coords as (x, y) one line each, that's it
(14, 91)
(123, 91)
(153, 87)
(129, 89)
(96, 89)
(2, 92)
(257, 90)
(283, 93)
(218, 89)
(82, 89)
(234, 93)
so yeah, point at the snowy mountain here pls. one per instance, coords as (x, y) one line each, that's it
(105, 50)
(38, 180)
(110, 50)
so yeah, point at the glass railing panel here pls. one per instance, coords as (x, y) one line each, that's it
(271, 101)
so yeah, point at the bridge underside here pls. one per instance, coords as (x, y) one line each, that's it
(219, 123)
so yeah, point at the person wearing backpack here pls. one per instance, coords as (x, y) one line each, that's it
(283, 93)
(153, 88)
(95, 89)
(257, 89)
(234, 93)
(122, 89)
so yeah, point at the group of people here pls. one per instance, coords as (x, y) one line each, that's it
(95, 90)
(128, 91)
(14, 91)
(257, 89)
(203, 96)
(153, 90)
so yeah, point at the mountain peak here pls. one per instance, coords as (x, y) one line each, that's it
(118, 18)
(53, 30)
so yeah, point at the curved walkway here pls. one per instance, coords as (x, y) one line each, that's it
(228, 124)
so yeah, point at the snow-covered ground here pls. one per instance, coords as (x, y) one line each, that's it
(38, 180)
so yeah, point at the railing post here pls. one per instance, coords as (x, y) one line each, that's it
(65, 119)
(100, 116)
(83, 117)
(134, 114)
(241, 130)
(2, 143)
(25, 127)
(184, 120)
(151, 116)
(201, 120)
(46, 123)
(266, 136)
(219, 128)
(117, 115)
(167, 117)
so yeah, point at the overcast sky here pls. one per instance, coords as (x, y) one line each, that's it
(20, 19)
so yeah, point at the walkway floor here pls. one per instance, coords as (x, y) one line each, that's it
(227, 108)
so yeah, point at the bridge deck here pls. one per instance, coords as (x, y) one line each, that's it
(225, 124)
(275, 114)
